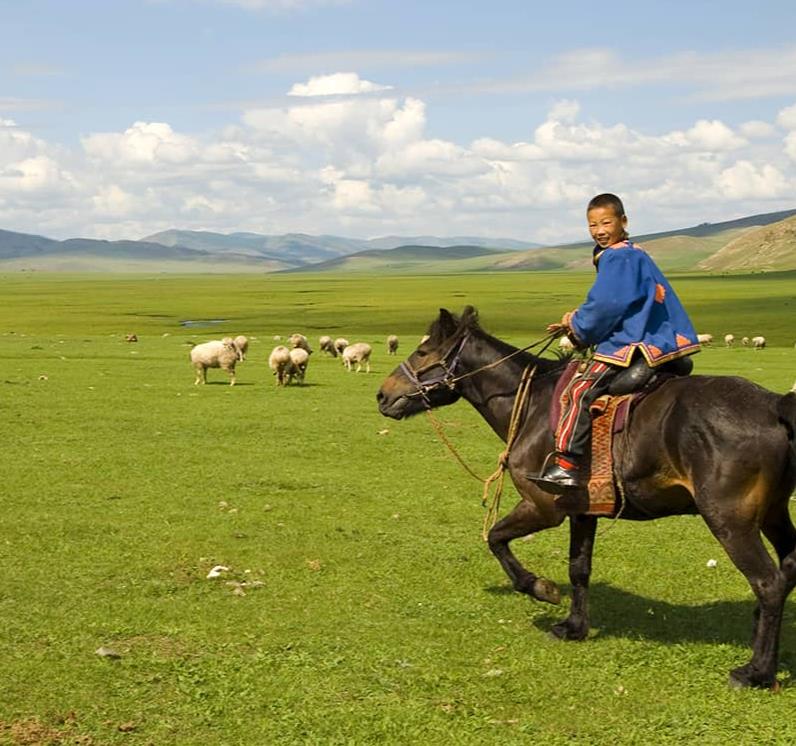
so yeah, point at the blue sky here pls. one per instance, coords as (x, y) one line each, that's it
(366, 117)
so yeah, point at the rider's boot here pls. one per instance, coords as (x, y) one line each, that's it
(562, 473)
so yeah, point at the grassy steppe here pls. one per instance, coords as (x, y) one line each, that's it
(381, 616)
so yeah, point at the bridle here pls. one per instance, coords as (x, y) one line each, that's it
(448, 378)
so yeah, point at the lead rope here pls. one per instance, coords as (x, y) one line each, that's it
(498, 476)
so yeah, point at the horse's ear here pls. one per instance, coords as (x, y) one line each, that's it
(469, 316)
(447, 322)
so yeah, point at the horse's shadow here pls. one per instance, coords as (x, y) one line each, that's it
(616, 612)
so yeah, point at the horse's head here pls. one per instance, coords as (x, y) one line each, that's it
(425, 380)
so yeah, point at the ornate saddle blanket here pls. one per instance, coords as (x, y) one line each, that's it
(610, 415)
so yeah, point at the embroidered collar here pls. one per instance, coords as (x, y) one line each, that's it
(598, 250)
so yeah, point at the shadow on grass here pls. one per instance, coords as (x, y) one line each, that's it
(226, 383)
(619, 613)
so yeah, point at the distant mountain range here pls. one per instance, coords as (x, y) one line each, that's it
(765, 241)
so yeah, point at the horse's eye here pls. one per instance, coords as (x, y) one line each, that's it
(421, 353)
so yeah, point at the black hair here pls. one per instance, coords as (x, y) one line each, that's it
(609, 200)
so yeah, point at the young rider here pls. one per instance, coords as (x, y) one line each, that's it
(631, 309)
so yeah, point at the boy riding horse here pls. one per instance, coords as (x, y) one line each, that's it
(630, 310)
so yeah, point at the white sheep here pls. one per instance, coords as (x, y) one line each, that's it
(358, 353)
(340, 344)
(279, 362)
(299, 340)
(745, 341)
(299, 358)
(215, 354)
(565, 344)
(729, 340)
(705, 339)
(793, 388)
(758, 343)
(242, 343)
(327, 345)
(392, 344)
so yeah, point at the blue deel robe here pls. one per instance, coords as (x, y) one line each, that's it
(632, 306)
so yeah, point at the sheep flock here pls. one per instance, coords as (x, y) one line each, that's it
(289, 359)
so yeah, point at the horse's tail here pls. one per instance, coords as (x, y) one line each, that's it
(786, 411)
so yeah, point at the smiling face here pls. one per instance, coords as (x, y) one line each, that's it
(605, 226)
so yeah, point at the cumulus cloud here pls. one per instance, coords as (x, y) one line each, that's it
(368, 165)
(787, 118)
(337, 84)
(144, 142)
(745, 180)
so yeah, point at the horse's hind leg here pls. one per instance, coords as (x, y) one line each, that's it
(743, 543)
(523, 520)
(779, 530)
(581, 544)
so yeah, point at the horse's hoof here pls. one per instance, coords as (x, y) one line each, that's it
(565, 631)
(546, 590)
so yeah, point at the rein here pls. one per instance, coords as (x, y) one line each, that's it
(497, 477)
(449, 380)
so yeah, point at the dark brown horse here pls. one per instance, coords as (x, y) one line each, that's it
(721, 447)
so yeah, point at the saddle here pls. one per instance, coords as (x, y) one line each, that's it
(610, 415)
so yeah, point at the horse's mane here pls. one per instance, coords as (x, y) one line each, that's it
(448, 323)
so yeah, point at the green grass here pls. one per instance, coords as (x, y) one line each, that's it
(381, 616)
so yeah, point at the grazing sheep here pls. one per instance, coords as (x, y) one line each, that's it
(279, 362)
(705, 339)
(327, 345)
(299, 358)
(758, 343)
(130, 338)
(392, 344)
(358, 353)
(242, 343)
(793, 388)
(215, 354)
(565, 344)
(299, 340)
(729, 339)
(745, 341)
(340, 344)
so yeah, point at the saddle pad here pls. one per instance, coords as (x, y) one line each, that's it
(606, 412)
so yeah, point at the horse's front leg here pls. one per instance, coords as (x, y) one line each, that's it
(523, 520)
(581, 545)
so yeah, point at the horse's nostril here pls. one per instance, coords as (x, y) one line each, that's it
(379, 396)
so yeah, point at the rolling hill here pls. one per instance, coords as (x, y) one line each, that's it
(756, 242)
(407, 259)
(772, 247)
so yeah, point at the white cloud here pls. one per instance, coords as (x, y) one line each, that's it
(144, 142)
(745, 180)
(787, 118)
(790, 145)
(756, 129)
(368, 165)
(335, 85)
